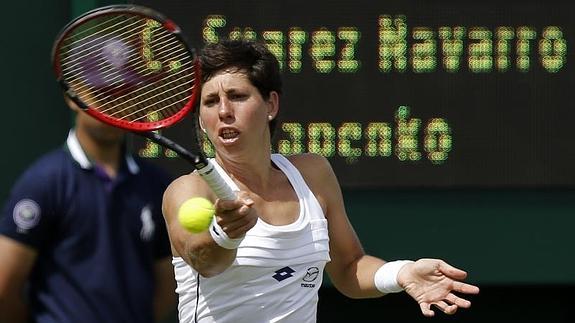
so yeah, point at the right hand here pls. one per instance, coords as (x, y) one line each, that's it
(237, 216)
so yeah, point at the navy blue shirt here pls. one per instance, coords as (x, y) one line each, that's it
(97, 238)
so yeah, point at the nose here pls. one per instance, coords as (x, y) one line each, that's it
(225, 111)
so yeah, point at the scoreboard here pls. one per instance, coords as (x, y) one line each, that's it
(410, 93)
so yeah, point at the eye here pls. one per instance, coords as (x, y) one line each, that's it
(238, 96)
(209, 102)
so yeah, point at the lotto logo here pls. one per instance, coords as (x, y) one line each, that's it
(284, 273)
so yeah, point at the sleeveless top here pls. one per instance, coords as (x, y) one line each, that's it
(277, 272)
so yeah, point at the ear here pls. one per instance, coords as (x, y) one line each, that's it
(273, 105)
(201, 124)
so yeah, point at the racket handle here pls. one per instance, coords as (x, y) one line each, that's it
(204, 166)
(216, 182)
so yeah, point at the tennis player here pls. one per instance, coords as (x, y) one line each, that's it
(82, 237)
(263, 258)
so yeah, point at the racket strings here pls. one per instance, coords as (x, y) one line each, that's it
(102, 63)
(156, 100)
(115, 106)
(158, 51)
(88, 39)
(121, 80)
(146, 92)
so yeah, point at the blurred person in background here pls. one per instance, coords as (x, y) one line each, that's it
(82, 236)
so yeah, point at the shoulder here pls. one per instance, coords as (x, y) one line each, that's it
(318, 175)
(36, 192)
(48, 166)
(184, 187)
(191, 183)
(310, 159)
(312, 166)
(52, 160)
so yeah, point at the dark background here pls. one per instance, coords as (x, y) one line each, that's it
(502, 205)
(509, 128)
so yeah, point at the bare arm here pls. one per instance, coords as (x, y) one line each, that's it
(16, 262)
(428, 281)
(350, 269)
(199, 250)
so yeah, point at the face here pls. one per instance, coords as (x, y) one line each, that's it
(96, 130)
(233, 112)
(99, 131)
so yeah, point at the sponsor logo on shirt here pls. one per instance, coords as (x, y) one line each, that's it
(284, 273)
(310, 276)
(26, 214)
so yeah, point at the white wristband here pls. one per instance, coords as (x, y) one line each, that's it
(221, 238)
(385, 278)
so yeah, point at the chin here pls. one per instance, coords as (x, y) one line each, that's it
(108, 136)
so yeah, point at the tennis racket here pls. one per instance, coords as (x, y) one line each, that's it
(130, 67)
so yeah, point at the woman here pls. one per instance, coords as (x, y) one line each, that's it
(262, 259)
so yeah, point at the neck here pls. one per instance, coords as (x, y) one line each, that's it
(107, 154)
(254, 171)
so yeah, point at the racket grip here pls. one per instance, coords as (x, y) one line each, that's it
(217, 182)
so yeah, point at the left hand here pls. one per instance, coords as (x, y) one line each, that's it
(433, 282)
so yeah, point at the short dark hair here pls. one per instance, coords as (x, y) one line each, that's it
(260, 65)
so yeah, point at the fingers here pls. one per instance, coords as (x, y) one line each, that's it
(457, 274)
(448, 309)
(230, 205)
(448, 306)
(426, 309)
(438, 286)
(236, 226)
(237, 216)
(465, 288)
(452, 272)
(455, 300)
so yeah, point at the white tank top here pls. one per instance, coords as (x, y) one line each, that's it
(277, 272)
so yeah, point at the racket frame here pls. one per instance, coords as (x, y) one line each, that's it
(136, 11)
(204, 166)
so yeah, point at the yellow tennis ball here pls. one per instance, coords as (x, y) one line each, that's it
(196, 214)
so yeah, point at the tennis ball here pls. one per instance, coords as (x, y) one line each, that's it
(195, 214)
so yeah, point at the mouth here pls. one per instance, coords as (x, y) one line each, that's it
(229, 135)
